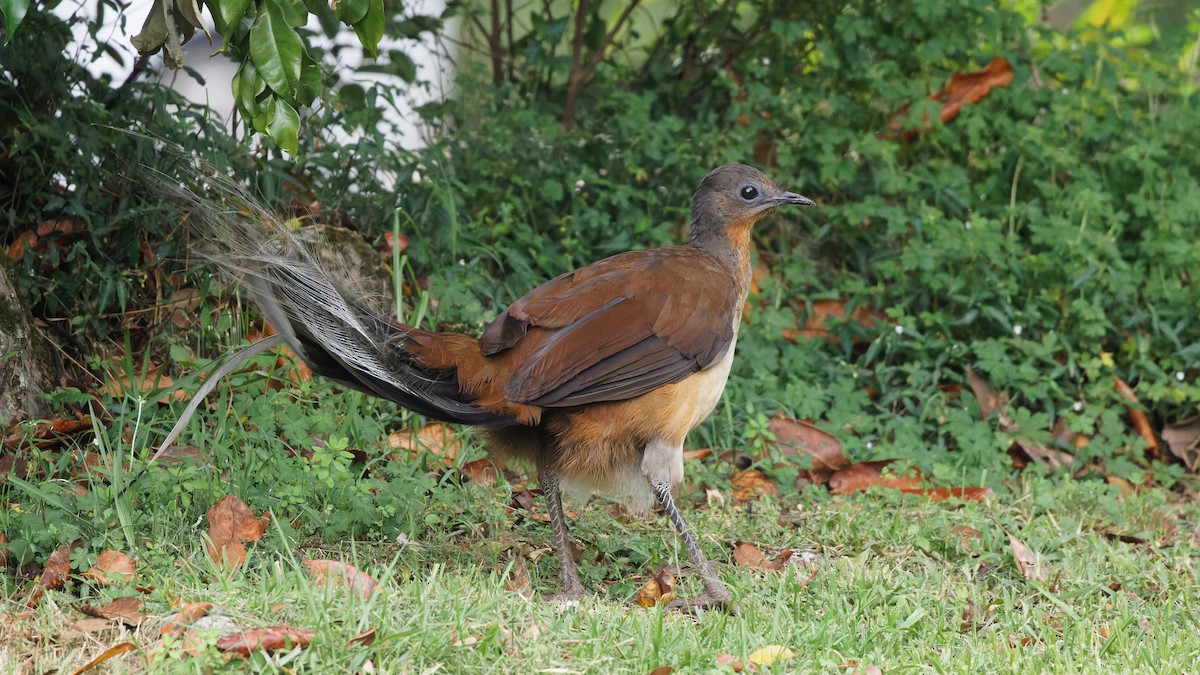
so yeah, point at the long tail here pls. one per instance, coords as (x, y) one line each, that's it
(318, 313)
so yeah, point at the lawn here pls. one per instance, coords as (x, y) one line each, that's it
(874, 579)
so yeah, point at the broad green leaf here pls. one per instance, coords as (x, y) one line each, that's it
(370, 29)
(266, 114)
(247, 85)
(351, 12)
(311, 84)
(321, 10)
(294, 12)
(277, 50)
(230, 13)
(14, 13)
(402, 65)
(285, 127)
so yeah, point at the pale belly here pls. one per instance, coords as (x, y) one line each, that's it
(605, 443)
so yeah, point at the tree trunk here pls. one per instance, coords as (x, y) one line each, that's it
(24, 357)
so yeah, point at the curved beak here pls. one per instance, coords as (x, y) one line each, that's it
(793, 198)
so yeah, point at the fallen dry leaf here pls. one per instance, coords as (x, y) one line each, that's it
(1183, 440)
(93, 625)
(480, 471)
(112, 567)
(115, 650)
(697, 454)
(54, 574)
(267, 639)
(127, 610)
(1029, 564)
(344, 574)
(230, 522)
(365, 638)
(50, 433)
(991, 401)
(965, 536)
(963, 88)
(862, 475)
(750, 485)
(3, 550)
(769, 655)
(1138, 416)
(131, 378)
(186, 615)
(518, 578)
(818, 317)
(662, 670)
(660, 588)
(748, 555)
(435, 438)
(734, 663)
(797, 438)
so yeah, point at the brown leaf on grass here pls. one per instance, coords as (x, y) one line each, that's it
(967, 494)
(992, 401)
(267, 639)
(343, 574)
(1029, 564)
(750, 485)
(797, 438)
(1125, 486)
(480, 471)
(134, 379)
(230, 522)
(54, 574)
(698, 454)
(61, 231)
(973, 618)
(818, 318)
(660, 588)
(435, 438)
(93, 625)
(115, 650)
(187, 615)
(1183, 439)
(1138, 416)
(3, 550)
(965, 536)
(989, 399)
(365, 638)
(862, 475)
(518, 578)
(662, 670)
(127, 610)
(734, 663)
(962, 89)
(50, 433)
(748, 555)
(112, 567)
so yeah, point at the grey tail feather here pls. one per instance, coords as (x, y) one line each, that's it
(313, 310)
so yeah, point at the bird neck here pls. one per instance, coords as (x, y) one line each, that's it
(729, 245)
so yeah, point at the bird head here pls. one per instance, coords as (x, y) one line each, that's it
(732, 198)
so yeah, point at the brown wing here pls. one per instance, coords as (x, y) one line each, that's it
(616, 329)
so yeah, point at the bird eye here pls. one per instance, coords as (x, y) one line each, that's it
(748, 193)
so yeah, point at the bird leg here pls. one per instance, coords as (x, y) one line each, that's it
(572, 587)
(715, 592)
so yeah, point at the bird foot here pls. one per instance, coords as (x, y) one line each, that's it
(567, 598)
(705, 601)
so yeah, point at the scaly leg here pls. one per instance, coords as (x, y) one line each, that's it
(715, 592)
(572, 588)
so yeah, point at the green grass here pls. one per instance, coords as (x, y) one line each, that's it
(888, 584)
